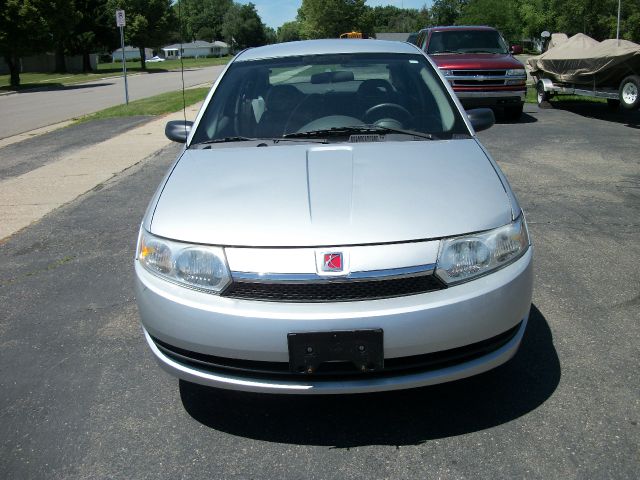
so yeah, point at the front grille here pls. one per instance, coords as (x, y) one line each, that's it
(333, 291)
(477, 82)
(338, 370)
(486, 73)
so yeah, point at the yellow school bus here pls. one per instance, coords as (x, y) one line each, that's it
(351, 35)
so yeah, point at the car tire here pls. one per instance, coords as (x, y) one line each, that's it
(613, 104)
(629, 92)
(542, 96)
(513, 113)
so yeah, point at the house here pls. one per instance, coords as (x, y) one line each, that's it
(130, 53)
(197, 48)
(395, 36)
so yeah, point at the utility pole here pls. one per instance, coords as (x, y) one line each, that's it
(618, 27)
(120, 23)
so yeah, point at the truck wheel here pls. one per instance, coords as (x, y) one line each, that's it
(630, 92)
(513, 113)
(613, 104)
(542, 95)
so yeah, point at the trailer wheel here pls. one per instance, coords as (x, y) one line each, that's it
(630, 92)
(613, 104)
(542, 95)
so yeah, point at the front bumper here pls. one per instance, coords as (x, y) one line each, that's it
(414, 325)
(491, 98)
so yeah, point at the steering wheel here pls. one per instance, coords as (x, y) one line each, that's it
(383, 110)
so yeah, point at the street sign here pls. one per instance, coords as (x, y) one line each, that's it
(120, 21)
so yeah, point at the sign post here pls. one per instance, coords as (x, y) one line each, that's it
(618, 27)
(120, 23)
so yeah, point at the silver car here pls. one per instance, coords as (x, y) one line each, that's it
(332, 225)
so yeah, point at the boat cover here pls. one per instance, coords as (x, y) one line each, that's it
(557, 39)
(583, 60)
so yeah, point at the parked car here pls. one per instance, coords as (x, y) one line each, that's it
(155, 59)
(332, 225)
(479, 65)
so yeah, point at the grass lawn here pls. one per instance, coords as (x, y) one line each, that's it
(532, 98)
(156, 105)
(39, 80)
(164, 66)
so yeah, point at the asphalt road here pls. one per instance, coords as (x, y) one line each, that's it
(28, 110)
(81, 396)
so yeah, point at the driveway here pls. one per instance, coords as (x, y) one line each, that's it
(81, 397)
(28, 110)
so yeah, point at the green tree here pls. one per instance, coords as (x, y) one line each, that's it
(22, 32)
(271, 36)
(503, 15)
(149, 22)
(242, 26)
(206, 33)
(630, 28)
(203, 14)
(423, 19)
(330, 18)
(446, 12)
(394, 19)
(61, 16)
(289, 32)
(597, 19)
(536, 17)
(94, 31)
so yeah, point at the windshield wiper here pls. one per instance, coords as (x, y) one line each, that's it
(444, 52)
(247, 139)
(337, 131)
(479, 50)
(225, 140)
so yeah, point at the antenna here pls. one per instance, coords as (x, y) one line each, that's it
(184, 103)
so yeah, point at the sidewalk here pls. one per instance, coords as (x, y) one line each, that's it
(29, 197)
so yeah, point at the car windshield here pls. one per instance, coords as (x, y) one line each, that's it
(292, 96)
(466, 41)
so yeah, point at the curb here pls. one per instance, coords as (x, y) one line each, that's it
(27, 198)
(45, 88)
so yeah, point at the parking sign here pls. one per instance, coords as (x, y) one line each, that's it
(120, 22)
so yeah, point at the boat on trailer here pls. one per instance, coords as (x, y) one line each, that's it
(583, 66)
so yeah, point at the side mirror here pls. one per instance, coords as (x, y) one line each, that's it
(178, 130)
(481, 118)
(516, 49)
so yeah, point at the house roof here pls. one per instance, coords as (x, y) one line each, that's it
(397, 36)
(128, 48)
(195, 44)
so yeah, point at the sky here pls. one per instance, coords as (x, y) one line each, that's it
(275, 12)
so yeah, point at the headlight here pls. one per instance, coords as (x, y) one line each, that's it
(193, 266)
(516, 72)
(464, 258)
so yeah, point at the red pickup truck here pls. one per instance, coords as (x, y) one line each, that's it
(479, 65)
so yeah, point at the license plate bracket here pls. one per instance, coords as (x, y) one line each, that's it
(309, 350)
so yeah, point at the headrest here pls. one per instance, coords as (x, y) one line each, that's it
(332, 77)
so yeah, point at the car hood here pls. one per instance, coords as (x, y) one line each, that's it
(324, 195)
(476, 61)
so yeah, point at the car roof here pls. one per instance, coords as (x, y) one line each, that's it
(460, 27)
(328, 46)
